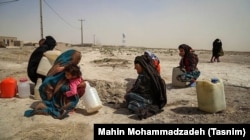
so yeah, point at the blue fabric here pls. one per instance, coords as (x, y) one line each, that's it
(189, 76)
(192, 84)
(135, 102)
(29, 113)
(53, 88)
(65, 57)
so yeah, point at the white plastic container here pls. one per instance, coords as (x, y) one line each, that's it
(52, 55)
(91, 99)
(44, 66)
(210, 95)
(36, 89)
(176, 71)
(23, 88)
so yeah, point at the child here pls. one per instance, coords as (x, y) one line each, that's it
(155, 60)
(74, 75)
(188, 64)
(56, 85)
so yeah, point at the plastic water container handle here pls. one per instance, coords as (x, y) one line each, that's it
(87, 85)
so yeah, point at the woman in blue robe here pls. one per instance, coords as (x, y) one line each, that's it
(54, 101)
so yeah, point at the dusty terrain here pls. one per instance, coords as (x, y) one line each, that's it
(111, 72)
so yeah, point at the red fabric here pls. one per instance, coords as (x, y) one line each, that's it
(157, 65)
(187, 64)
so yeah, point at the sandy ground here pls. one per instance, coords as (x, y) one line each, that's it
(111, 72)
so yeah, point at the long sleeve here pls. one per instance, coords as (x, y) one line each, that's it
(73, 87)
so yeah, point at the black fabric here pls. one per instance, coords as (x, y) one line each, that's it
(50, 42)
(157, 83)
(36, 57)
(148, 111)
(217, 46)
(157, 86)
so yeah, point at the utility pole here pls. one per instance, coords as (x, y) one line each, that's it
(41, 18)
(82, 32)
(123, 39)
(94, 39)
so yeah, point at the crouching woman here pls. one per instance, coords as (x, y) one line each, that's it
(52, 91)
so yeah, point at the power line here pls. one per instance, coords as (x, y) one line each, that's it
(59, 15)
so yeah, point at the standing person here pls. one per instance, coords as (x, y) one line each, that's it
(217, 50)
(148, 94)
(52, 91)
(44, 45)
(188, 64)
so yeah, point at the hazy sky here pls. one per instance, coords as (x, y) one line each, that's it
(145, 23)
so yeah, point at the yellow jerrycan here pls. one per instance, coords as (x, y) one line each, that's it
(210, 95)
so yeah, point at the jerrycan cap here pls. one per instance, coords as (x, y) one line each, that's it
(23, 79)
(214, 80)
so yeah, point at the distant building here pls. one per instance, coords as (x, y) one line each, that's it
(10, 41)
(63, 44)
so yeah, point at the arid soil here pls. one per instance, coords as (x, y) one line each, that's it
(111, 71)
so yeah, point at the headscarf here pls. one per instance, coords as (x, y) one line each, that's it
(190, 59)
(58, 80)
(217, 47)
(152, 55)
(186, 48)
(50, 42)
(55, 85)
(158, 84)
(36, 57)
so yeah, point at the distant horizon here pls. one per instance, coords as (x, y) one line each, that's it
(148, 23)
(224, 48)
(107, 45)
(36, 42)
